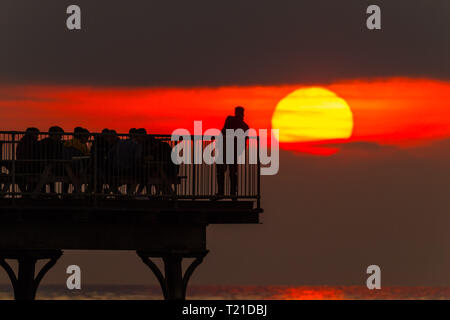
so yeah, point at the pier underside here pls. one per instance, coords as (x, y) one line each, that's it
(31, 230)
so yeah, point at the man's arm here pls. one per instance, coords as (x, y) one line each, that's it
(245, 126)
(227, 124)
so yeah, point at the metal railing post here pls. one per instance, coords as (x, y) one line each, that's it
(193, 168)
(258, 175)
(95, 164)
(13, 166)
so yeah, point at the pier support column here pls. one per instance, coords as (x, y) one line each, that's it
(173, 282)
(25, 284)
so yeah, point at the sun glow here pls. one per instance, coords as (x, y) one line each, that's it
(312, 114)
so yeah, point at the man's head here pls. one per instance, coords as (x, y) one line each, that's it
(77, 132)
(141, 133)
(239, 112)
(55, 133)
(111, 136)
(132, 132)
(81, 134)
(32, 133)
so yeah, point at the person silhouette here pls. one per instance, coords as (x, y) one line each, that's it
(51, 149)
(27, 150)
(234, 123)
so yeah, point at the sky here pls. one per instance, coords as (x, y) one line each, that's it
(220, 43)
(392, 111)
(379, 198)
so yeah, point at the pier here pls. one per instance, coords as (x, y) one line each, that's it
(52, 204)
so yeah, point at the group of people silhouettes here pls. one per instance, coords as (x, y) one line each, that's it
(107, 162)
(107, 158)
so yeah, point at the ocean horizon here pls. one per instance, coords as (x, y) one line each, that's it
(215, 292)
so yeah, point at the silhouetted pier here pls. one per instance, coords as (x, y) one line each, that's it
(72, 203)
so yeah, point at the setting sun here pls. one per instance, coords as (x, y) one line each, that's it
(312, 114)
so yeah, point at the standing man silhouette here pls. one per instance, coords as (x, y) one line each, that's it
(232, 122)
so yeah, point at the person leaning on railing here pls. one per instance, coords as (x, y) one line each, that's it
(76, 149)
(101, 146)
(51, 149)
(157, 163)
(234, 123)
(27, 165)
(125, 162)
(77, 146)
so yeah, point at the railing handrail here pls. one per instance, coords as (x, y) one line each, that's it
(121, 134)
(199, 178)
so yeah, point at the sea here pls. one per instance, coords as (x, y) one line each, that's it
(199, 292)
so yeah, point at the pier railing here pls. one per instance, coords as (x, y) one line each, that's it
(111, 166)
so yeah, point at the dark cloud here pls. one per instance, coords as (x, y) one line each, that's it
(211, 43)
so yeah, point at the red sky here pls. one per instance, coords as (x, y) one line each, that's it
(396, 111)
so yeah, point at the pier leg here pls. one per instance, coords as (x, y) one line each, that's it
(174, 277)
(25, 284)
(173, 282)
